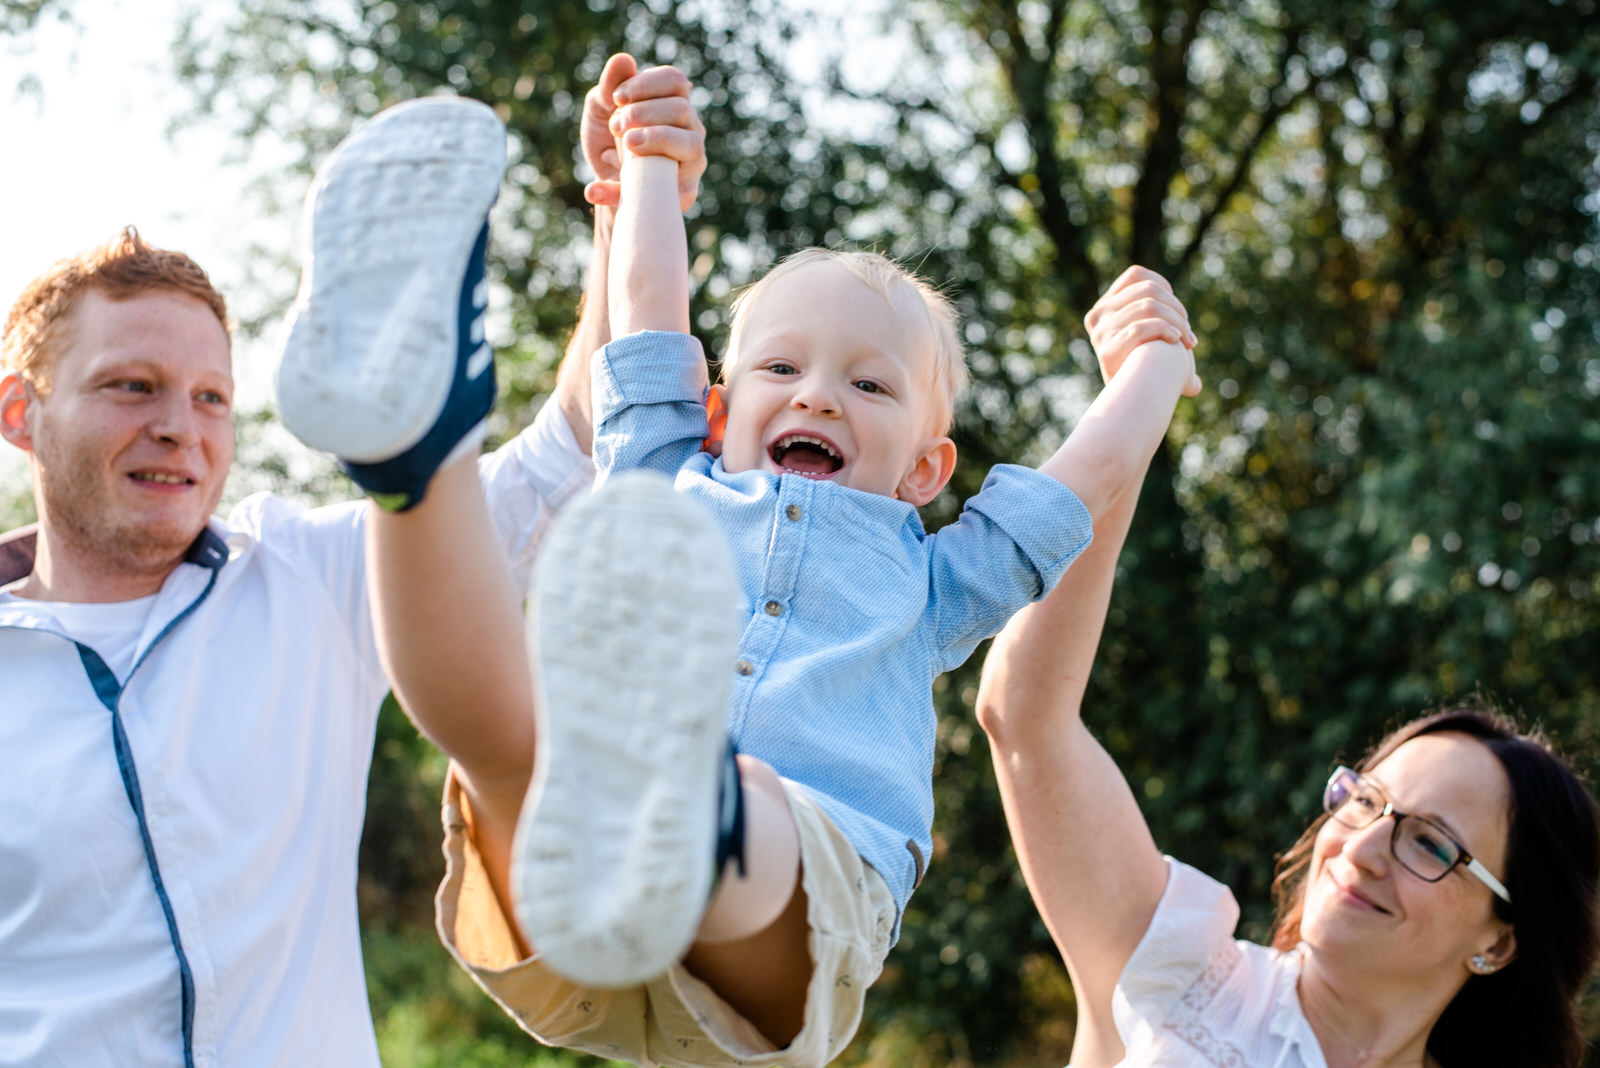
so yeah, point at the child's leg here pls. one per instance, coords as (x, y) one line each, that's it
(758, 889)
(678, 1019)
(386, 366)
(637, 618)
(635, 605)
(806, 1001)
(450, 630)
(752, 944)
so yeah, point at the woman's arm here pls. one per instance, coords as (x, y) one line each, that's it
(1085, 849)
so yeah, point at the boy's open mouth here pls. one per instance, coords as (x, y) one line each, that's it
(805, 455)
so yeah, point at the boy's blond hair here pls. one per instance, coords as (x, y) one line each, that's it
(881, 274)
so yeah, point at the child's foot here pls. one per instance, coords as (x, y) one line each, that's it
(386, 365)
(637, 632)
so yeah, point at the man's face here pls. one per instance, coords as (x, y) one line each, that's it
(833, 382)
(132, 444)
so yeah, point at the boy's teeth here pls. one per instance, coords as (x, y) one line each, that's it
(170, 480)
(806, 455)
(794, 439)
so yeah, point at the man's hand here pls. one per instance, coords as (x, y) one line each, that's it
(1140, 307)
(649, 112)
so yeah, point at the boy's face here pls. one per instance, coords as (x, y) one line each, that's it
(835, 382)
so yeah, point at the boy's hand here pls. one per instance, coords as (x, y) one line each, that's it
(649, 112)
(1139, 308)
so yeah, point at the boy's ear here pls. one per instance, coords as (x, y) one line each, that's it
(15, 394)
(717, 417)
(930, 473)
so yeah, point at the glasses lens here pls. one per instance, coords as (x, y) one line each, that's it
(1424, 849)
(1336, 794)
(1350, 800)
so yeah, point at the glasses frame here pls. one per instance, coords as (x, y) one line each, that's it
(1464, 860)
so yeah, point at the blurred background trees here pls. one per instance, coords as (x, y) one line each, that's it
(1382, 217)
(19, 15)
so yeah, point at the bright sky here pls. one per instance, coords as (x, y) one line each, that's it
(89, 153)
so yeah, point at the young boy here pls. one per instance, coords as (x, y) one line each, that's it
(826, 434)
(646, 944)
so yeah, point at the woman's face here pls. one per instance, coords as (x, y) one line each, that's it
(1362, 906)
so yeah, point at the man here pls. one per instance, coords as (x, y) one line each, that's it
(190, 703)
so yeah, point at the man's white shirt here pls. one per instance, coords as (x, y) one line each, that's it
(250, 723)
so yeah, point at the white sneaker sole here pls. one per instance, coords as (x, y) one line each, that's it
(638, 629)
(387, 228)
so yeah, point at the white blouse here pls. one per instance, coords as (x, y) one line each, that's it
(1193, 995)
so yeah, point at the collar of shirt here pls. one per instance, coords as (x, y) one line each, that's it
(215, 545)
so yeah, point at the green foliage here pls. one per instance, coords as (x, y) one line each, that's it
(16, 505)
(1382, 217)
(17, 16)
(18, 20)
(428, 1012)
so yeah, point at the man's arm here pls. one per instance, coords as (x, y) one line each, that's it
(1083, 845)
(589, 336)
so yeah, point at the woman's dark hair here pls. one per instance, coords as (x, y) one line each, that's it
(1526, 1013)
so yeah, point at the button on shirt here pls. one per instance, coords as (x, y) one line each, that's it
(1192, 995)
(852, 609)
(250, 724)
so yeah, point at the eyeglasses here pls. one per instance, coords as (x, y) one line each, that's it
(1421, 846)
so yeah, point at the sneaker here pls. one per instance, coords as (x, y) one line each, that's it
(631, 810)
(386, 365)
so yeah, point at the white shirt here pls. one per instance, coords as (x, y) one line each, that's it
(1192, 995)
(111, 629)
(251, 728)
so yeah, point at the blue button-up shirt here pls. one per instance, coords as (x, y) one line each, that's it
(851, 608)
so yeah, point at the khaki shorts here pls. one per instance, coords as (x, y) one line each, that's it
(676, 1019)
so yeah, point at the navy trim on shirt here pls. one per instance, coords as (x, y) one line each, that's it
(210, 552)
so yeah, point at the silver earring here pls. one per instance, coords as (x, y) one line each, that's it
(1481, 965)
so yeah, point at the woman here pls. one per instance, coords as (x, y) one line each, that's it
(1442, 911)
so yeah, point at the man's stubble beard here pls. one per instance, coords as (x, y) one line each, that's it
(72, 500)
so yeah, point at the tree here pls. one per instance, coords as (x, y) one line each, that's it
(17, 16)
(1352, 524)
(1381, 215)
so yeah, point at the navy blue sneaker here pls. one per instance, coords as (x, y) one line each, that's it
(385, 364)
(635, 808)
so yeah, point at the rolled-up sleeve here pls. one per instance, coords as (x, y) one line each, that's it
(1011, 545)
(649, 403)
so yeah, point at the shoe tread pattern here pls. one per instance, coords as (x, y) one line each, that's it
(637, 610)
(392, 219)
